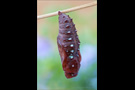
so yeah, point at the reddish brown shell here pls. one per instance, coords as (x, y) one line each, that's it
(68, 45)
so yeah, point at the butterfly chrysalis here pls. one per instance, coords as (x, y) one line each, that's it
(68, 46)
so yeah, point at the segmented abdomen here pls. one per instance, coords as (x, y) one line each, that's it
(68, 45)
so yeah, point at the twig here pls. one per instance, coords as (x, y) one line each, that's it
(68, 10)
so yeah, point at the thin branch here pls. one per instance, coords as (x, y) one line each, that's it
(68, 10)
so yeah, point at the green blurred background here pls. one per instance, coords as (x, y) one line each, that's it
(50, 75)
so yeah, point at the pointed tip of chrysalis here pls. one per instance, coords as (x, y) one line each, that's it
(59, 13)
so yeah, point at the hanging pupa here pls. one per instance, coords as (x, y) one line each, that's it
(68, 46)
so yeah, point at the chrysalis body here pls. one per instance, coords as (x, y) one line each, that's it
(68, 45)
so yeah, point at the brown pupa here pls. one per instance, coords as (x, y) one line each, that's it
(68, 46)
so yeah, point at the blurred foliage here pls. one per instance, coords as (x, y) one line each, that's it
(50, 74)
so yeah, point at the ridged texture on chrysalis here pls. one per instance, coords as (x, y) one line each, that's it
(68, 45)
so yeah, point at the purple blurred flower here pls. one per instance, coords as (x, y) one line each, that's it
(89, 56)
(44, 47)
